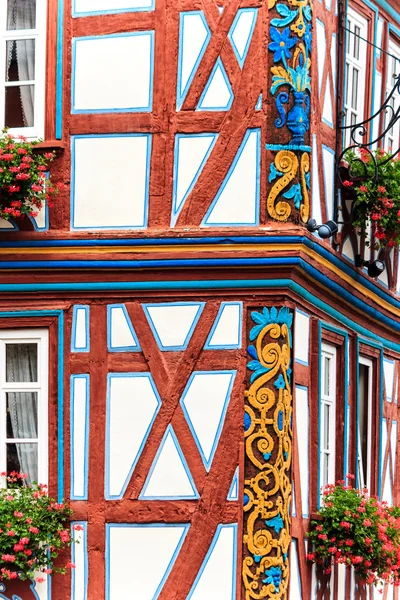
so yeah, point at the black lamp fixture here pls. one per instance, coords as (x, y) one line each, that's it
(325, 231)
(374, 268)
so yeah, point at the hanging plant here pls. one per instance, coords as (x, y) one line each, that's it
(32, 530)
(375, 179)
(357, 530)
(24, 186)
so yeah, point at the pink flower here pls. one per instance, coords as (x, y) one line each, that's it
(49, 155)
(332, 550)
(348, 183)
(77, 527)
(70, 565)
(310, 556)
(13, 169)
(7, 157)
(36, 188)
(10, 498)
(24, 541)
(13, 189)
(22, 151)
(40, 579)
(33, 529)
(22, 176)
(8, 557)
(18, 514)
(381, 189)
(18, 547)
(345, 524)
(367, 523)
(349, 542)
(363, 189)
(10, 533)
(375, 216)
(356, 560)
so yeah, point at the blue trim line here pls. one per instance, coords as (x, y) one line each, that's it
(218, 65)
(208, 461)
(73, 378)
(75, 311)
(241, 57)
(135, 458)
(185, 527)
(208, 555)
(242, 147)
(294, 147)
(147, 108)
(85, 561)
(208, 345)
(183, 346)
(195, 496)
(59, 69)
(136, 347)
(181, 93)
(233, 494)
(111, 11)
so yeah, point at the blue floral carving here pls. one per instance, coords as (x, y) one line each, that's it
(273, 173)
(273, 575)
(276, 523)
(295, 193)
(282, 43)
(288, 16)
(280, 383)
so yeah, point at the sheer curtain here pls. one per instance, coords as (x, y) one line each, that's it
(21, 366)
(22, 15)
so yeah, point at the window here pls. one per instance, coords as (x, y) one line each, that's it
(392, 71)
(356, 59)
(327, 415)
(23, 54)
(23, 402)
(364, 422)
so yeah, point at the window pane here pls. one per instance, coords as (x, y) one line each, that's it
(327, 374)
(326, 469)
(357, 32)
(20, 60)
(327, 442)
(21, 14)
(20, 106)
(21, 362)
(23, 458)
(22, 417)
(354, 95)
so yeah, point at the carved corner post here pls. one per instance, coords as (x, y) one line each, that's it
(268, 457)
(288, 146)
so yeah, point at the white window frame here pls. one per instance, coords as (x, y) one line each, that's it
(39, 35)
(355, 114)
(360, 471)
(392, 138)
(41, 338)
(328, 395)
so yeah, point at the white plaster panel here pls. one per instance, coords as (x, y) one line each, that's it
(348, 251)
(81, 341)
(234, 489)
(387, 488)
(205, 402)
(194, 34)
(301, 337)
(218, 92)
(237, 200)
(102, 198)
(327, 112)
(316, 196)
(79, 558)
(379, 36)
(5, 224)
(113, 72)
(242, 31)
(293, 501)
(132, 406)
(383, 278)
(140, 558)
(328, 158)
(302, 432)
(228, 327)
(295, 584)
(321, 45)
(79, 435)
(173, 324)
(169, 476)
(191, 153)
(121, 332)
(377, 104)
(217, 577)
(88, 6)
(341, 578)
(393, 445)
(388, 371)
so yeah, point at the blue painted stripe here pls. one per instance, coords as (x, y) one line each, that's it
(59, 69)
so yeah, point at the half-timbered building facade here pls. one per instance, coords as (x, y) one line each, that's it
(190, 364)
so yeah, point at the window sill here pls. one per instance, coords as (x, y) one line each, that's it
(51, 145)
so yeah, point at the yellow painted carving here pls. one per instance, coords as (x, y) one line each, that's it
(286, 162)
(268, 444)
(299, 26)
(304, 169)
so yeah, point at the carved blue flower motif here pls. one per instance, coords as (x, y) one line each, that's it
(280, 382)
(281, 44)
(307, 37)
(276, 523)
(273, 575)
(247, 421)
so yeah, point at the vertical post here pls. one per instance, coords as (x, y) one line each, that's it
(268, 457)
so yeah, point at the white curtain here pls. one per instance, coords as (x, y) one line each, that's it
(21, 14)
(21, 366)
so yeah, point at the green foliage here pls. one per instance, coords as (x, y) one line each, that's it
(32, 530)
(377, 202)
(358, 530)
(24, 186)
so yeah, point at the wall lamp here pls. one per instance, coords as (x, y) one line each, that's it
(325, 231)
(374, 268)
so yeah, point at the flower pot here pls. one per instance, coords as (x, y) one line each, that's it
(16, 589)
